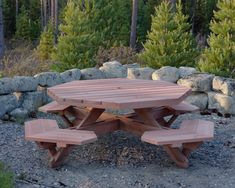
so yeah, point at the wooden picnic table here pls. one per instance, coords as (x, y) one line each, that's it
(150, 101)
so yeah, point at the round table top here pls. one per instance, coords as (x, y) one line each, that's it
(119, 93)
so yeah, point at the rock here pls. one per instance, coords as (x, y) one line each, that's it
(198, 99)
(186, 71)
(91, 74)
(134, 65)
(197, 82)
(24, 83)
(8, 103)
(223, 103)
(45, 97)
(6, 86)
(31, 101)
(49, 79)
(19, 115)
(224, 85)
(140, 73)
(170, 74)
(114, 69)
(70, 75)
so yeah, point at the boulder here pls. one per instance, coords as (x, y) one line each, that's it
(31, 101)
(224, 85)
(186, 71)
(24, 83)
(170, 74)
(223, 103)
(198, 99)
(140, 73)
(8, 103)
(19, 115)
(45, 97)
(114, 69)
(6, 86)
(49, 79)
(134, 65)
(91, 74)
(197, 82)
(70, 75)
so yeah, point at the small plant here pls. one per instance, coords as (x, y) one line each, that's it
(46, 44)
(6, 177)
(169, 42)
(124, 55)
(219, 57)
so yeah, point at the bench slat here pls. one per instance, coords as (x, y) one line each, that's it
(43, 130)
(65, 136)
(184, 107)
(53, 107)
(40, 125)
(190, 131)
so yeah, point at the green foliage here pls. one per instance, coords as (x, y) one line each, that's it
(6, 177)
(9, 17)
(219, 58)
(26, 28)
(83, 31)
(46, 44)
(169, 42)
(122, 54)
(77, 42)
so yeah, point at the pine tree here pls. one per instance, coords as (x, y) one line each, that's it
(77, 42)
(219, 58)
(169, 41)
(46, 44)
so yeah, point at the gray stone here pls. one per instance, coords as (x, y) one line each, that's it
(221, 102)
(6, 86)
(49, 79)
(140, 73)
(197, 82)
(24, 83)
(198, 99)
(114, 69)
(134, 65)
(8, 103)
(170, 74)
(92, 73)
(70, 75)
(186, 71)
(31, 101)
(19, 115)
(45, 97)
(224, 85)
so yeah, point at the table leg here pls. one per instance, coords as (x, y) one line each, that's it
(147, 117)
(91, 117)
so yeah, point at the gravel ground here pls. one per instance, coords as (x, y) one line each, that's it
(122, 160)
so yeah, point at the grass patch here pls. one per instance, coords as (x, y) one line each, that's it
(6, 177)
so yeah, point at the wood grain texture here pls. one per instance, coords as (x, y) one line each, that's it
(119, 93)
(190, 131)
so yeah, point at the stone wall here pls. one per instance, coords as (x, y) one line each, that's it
(20, 96)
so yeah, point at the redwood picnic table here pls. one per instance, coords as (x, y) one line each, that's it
(151, 101)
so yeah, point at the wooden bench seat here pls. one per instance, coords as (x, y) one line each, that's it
(48, 135)
(184, 107)
(53, 107)
(190, 131)
(179, 143)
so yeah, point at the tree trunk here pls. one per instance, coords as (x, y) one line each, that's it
(17, 8)
(56, 20)
(44, 12)
(1, 32)
(134, 23)
(192, 14)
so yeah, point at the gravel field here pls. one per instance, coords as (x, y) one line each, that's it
(122, 160)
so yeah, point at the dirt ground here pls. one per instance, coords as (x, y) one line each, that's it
(122, 160)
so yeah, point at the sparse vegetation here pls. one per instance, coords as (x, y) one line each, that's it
(6, 177)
